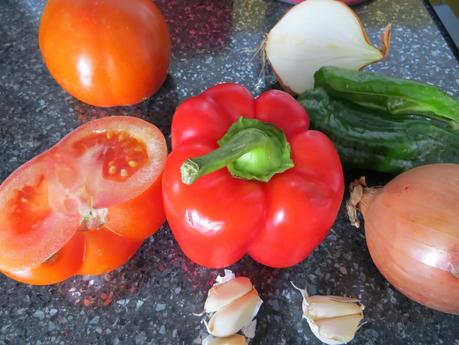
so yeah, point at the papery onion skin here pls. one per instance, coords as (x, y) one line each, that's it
(412, 233)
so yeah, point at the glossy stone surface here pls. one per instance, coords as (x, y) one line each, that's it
(151, 299)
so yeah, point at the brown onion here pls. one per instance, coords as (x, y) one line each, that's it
(412, 232)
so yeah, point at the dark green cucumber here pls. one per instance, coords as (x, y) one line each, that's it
(375, 140)
(392, 95)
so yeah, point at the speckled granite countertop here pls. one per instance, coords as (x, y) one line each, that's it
(150, 300)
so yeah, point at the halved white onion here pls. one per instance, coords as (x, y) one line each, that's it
(317, 33)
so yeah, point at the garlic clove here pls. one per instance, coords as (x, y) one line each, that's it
(332, 319)
(225, 293)
(250, 329)
(322, 307)
(230, 319)
(233, 340)
(340, 330)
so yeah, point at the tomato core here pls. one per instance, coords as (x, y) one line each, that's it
(93, 219)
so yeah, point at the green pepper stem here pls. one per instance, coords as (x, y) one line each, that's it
(251, 149)
(241, 143)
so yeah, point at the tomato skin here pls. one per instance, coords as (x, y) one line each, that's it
(219, 218)
(105, 53)
(63, 266)
(136, 219)
(134, 212)
(105, 250)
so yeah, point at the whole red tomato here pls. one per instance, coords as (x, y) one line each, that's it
(107, 52)
(86, 205)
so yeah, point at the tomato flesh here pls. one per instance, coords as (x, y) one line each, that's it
(82, 171)
(29, 231)
(122, 155)
(62, 265)
(65, 213)
(29, 206)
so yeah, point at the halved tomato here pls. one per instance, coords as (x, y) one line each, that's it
(86, 205)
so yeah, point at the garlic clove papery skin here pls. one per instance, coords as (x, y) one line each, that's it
(317, 33)
(225, 293)
(230, 319)
(324, 307)
(233, 340)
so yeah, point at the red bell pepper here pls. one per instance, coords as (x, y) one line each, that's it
(247, 176)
